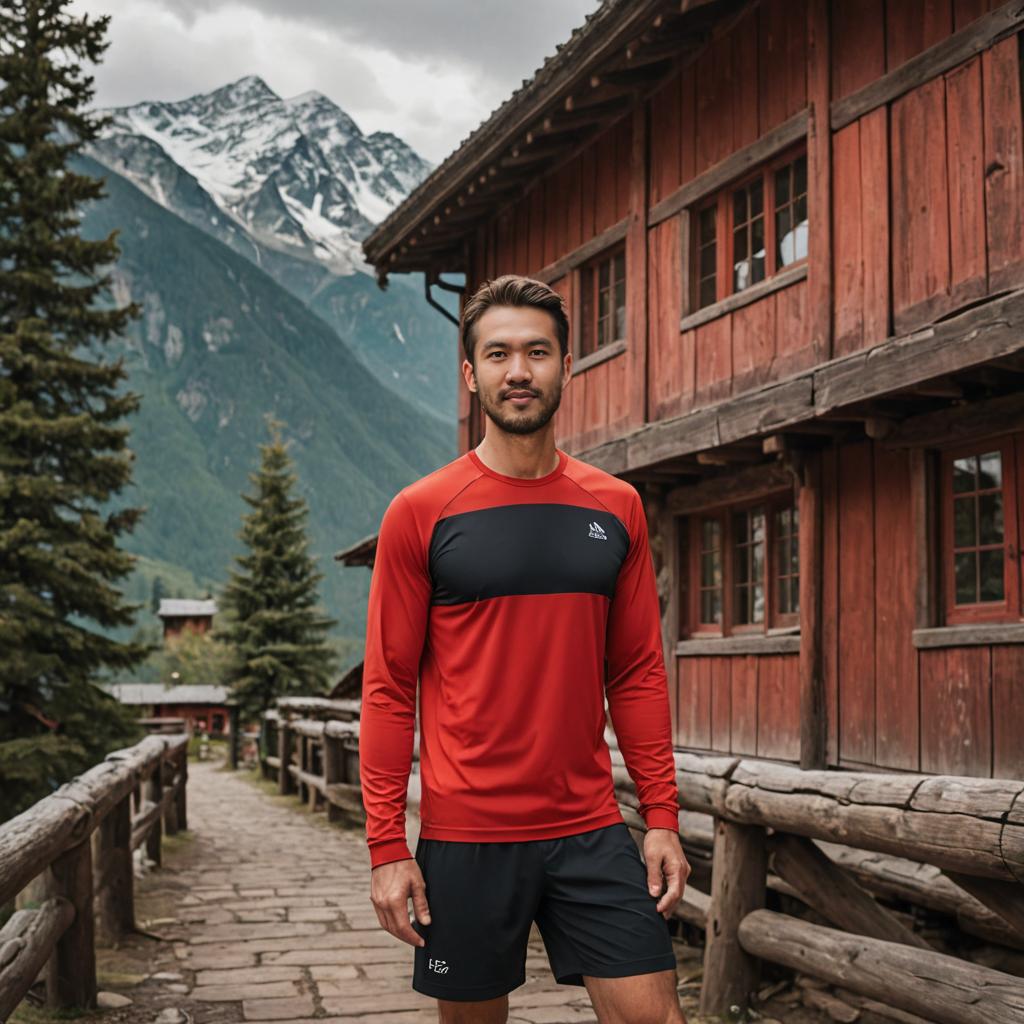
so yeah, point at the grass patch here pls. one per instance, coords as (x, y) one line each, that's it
(33, 1015)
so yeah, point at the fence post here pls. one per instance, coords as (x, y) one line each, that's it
(739, 874)
(115, 895)
(155, 793)
(303, 751)
(234, 718)
(172, 823)
(334, 771)
(285, 739)
(181, 798)
(71, 971)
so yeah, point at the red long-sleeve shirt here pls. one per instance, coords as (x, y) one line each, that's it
(518, 605)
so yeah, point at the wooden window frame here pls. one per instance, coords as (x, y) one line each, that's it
(722, 201)
(1007, 610)
(587, 279)
(689, 526)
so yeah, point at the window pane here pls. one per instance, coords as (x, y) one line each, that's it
(757, 532)
(800, 231)
(710, 572)
(963, 474)
(991, 572)
(739, 206)
(620, 267)
(742, 567)
(758, 258)
(756, 198)
(707, 225)
(791, 213)
(707, 261)
(748, 559)
(603, 275)
(785, 241)
(782, 186)
(800, 175)
(966, 567)
(707, 292)
(990, 518)
(964, 522)
(990, 471)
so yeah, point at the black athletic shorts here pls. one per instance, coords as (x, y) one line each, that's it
(587, 892)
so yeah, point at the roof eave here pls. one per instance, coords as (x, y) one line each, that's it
(426, 232)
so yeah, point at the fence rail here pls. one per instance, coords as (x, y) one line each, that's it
(837, 841)
(81, 838)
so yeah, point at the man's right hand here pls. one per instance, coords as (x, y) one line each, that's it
(391, 885)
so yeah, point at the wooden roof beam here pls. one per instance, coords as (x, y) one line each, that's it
(571, 120)
(670, 45)
(633, 78)
(524, 156)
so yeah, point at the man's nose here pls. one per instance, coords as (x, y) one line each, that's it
(518, 368)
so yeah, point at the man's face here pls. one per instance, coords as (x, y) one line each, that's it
(517, 354)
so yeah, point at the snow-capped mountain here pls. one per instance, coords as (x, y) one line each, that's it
(297, 175)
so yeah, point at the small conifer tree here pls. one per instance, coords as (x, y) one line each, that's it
(274, 621)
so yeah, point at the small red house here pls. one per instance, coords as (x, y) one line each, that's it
(791, 237)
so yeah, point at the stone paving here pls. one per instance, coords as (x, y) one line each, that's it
(263, 914)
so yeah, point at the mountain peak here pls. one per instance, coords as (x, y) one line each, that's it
(308, 98)
(245, 90)
(296, 172)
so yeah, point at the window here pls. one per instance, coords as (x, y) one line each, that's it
(603, 301)
(979, 534)
(740, 241)
(740, 569)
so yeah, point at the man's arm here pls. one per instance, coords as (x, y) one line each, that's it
(637, 686)
(396, 620)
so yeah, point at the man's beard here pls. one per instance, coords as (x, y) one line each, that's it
(522, 423)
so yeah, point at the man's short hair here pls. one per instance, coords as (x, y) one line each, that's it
(513, 290)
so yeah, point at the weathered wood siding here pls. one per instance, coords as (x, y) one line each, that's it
(927, 205)
(740, 704)
(953, 710)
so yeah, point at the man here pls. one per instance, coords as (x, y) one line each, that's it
(516, 584)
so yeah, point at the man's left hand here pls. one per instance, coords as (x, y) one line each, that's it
(666, 862)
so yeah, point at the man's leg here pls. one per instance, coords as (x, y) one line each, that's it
(638, 999)
(488, 1011)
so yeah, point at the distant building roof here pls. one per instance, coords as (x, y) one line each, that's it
(360, 553)
(157, 693)
(350, 685)
(172, 607)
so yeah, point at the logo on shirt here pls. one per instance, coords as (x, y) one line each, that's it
(596, 532)
(438, 966)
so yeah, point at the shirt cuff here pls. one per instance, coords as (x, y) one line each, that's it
(662, 817)
(387, 851)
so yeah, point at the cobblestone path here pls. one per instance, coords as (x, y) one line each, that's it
(261, 912)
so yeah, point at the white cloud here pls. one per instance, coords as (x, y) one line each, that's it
(430, 73)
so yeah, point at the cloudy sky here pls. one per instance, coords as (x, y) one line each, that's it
(428, 70)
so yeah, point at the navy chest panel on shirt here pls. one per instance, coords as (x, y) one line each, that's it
(526, 549)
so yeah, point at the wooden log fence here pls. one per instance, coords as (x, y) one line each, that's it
(839, 842)
(81, 839)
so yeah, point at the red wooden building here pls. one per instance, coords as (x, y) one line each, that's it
(791, 237)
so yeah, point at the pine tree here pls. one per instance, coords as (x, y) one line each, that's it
(63, 450)
(275, 625)
(158, 594)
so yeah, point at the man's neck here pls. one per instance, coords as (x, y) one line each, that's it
(528, 456)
